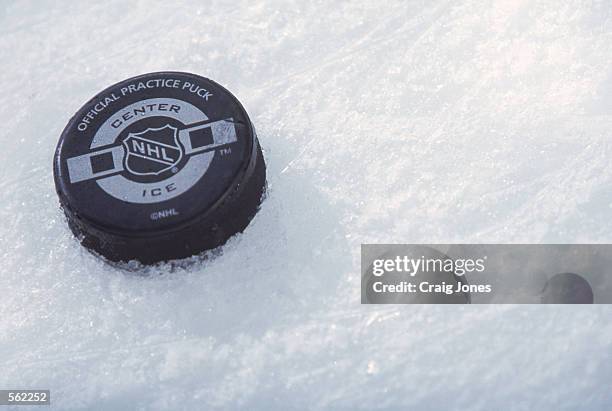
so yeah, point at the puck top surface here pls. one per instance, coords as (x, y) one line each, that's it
(152, 152)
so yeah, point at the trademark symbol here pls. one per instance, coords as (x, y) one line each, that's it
(225, 151)
(174, 170)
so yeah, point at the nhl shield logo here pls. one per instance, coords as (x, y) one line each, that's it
(152, 151)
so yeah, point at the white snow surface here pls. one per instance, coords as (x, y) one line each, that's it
(382, 121)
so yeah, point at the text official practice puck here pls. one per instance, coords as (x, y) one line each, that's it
(159, 167)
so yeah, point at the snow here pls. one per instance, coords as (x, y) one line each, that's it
(408, 121)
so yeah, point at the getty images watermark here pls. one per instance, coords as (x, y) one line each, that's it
(486, 273)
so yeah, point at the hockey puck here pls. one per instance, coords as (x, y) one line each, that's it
(567, 288)
(158, 167)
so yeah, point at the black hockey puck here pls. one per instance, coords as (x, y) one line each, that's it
(159, 167)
